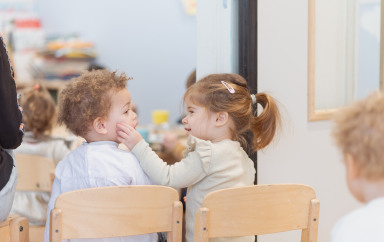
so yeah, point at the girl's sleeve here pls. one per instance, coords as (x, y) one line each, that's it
(188, 171)
(11, 128)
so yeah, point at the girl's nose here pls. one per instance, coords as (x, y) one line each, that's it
(184, 120)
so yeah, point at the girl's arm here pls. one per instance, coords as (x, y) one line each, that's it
(181, 174)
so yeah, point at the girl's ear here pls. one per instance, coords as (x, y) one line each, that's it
(221, 118)
(99, 126)
(350, 166)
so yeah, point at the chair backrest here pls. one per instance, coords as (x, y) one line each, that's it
(117, 211)
(257, 210)
(14, 229)
(34, 172)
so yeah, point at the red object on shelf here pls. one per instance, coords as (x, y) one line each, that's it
(27, 23)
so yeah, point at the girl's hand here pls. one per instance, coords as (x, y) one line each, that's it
(128, 135)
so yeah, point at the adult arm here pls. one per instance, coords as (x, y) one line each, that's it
(10, 115)
(10, 131)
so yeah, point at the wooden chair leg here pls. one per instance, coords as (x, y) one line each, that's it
(19, 228)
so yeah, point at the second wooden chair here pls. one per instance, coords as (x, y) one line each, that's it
(257, 210)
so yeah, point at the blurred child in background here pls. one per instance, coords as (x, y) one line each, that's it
(359, 133)
(39, 118)
(40, 115)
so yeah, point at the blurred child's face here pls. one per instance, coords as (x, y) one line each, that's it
(354, 181)
(199, 122)
(121, 111)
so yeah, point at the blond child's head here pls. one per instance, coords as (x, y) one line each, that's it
(359, 132)
(91, 104)
(39, 110)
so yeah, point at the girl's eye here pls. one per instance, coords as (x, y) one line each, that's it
(127, 111)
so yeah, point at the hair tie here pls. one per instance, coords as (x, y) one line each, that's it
(37, 87)
(229, 87)
(254, 101)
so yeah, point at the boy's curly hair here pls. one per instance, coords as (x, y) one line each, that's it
(87, 97)
(359, 131)
(39, 110)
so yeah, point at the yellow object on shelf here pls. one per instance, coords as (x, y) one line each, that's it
(160, 116)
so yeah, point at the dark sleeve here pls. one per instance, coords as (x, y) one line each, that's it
(10, 115)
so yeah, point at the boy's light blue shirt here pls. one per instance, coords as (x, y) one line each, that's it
(97, 164)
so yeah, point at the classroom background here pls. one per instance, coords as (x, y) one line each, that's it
(159, 43)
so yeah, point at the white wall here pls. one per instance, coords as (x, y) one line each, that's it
(305, 152)
(152, 41)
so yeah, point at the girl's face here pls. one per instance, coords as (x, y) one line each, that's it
(121, 111)
(199, 122)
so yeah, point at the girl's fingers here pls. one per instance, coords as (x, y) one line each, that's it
(131, 129)
(124, 127)
(122, 134)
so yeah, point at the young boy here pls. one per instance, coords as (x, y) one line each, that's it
(90, 106)
(359, 133)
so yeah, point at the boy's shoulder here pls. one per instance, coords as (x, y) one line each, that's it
(99, 157)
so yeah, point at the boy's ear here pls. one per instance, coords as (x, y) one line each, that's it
(99, 126)
(221, 118)
(350, 165)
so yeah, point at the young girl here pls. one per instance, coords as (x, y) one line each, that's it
(39, 117)
(219, 111)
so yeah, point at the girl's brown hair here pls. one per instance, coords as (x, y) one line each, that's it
(39, 110)
(211, 93)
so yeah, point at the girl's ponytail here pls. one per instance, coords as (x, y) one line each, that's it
(264, 125)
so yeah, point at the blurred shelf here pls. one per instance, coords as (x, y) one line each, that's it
(52, 85)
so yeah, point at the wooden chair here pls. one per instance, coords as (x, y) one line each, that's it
(117, 211)
(257, 210)
(35, 174)
(14, 229)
